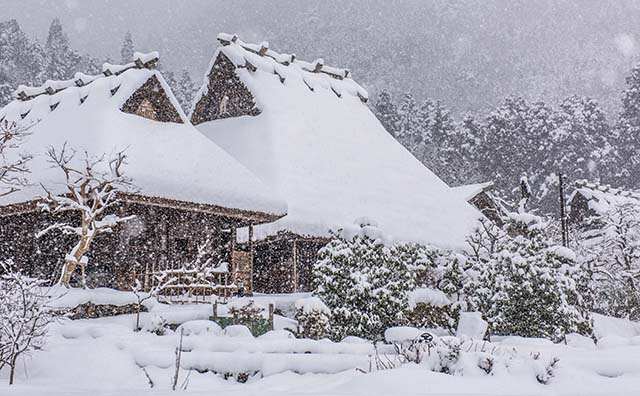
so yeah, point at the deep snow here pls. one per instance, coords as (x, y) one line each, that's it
(104, 357)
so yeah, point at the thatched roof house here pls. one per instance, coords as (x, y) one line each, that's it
(188, 188)
(305, 129)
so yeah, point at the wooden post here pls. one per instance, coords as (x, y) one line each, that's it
(215, 309)
(294, 260)
(271, 309)
(563, 218)
(146, 276)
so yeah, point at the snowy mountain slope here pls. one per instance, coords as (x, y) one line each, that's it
(167, 160)
(332, 160)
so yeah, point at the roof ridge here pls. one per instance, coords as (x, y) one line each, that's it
(262, 49)
(607, 189)
(141, 60)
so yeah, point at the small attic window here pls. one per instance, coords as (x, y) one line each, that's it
(82, 99)
(338, 94)
(24, 115)
(54, 106)
(114, 90)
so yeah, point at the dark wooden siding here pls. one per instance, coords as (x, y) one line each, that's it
(226, 95)
(152, 102)
(158, 238)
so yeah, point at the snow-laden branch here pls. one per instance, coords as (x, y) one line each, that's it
(93, 185)
(13, 164)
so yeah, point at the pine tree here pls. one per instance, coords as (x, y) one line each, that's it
(628, 131)
(583, 140)
(185, 90)
(387, 112)
(61, 61)
(21, 60)
(127, 49)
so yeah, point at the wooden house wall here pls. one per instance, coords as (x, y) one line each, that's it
(157, 238)
(226, 95)
(274, 270)
(488, 207)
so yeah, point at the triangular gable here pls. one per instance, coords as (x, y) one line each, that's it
(151, 101)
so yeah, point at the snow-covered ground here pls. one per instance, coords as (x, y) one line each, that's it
(106, 357)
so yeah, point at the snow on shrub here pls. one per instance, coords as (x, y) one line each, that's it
(362, 285)
(156, 325)
(460, 356)
(429, 308)
(313, 318)
(245, 311)
(522, 283)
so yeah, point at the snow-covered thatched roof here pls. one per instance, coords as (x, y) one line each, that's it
(602, 198)
(323, 150)
(470, 191)
(167, 160)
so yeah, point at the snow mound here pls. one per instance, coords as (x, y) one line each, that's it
(238, 331)
(472, 325)
(199, 327)
(428, 296)
(311, 304)
(402, 334)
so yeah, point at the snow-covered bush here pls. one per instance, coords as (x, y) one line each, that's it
(363, 285)
(245, 311)
(156, 325)
(429, 308)
(313, 318)
(610, 249)
(527, 286)
(24, 316)
(460, 356)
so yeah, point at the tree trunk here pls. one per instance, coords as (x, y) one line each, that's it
(67, 271)
(13, 368)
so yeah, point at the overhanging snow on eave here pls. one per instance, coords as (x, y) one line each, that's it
(243, 217)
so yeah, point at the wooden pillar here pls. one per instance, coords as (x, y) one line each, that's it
(294, 261)
(251, 238)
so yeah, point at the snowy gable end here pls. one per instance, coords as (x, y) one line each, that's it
(316, 142)
(592, 200)
(228, 92)
(187, 192)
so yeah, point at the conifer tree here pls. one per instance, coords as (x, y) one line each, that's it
(387, 112)
(127, 49)
(60, 59)
(628, 131)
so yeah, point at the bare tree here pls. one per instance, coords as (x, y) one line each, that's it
(13, 164)
(143, 296)
(24, 317)
(93, 185)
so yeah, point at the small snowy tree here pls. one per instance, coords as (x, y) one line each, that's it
(610, 247)
(13, 164)
(363, 284)
(142, 295)
(93, 185)
(24, 317)
(313, 318)
(527, 287)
